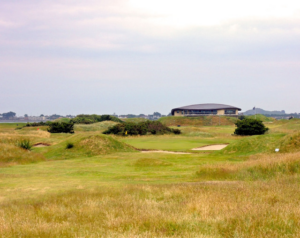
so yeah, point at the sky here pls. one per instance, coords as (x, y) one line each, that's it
(142, 56)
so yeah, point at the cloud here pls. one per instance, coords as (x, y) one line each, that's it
(129, 54)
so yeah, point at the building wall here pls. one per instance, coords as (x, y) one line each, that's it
(180, 113)
(221, 112)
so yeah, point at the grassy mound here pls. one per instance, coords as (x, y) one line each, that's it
(254, 144)
(84, 145)
(10, 154)
(198, 121)
(99, 126)
(290, 143)
(262, 118)
(62, 120)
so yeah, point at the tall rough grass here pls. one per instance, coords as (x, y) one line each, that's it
(11, 154)
(24, 144)
(186, 210)
(262, 166)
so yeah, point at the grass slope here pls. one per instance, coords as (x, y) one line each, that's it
(87, 145)
(197, 121)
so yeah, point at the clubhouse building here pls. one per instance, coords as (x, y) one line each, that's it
(208, 109)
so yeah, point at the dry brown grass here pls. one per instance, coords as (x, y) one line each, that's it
(10, 154)
(187, 210)
(259, 166)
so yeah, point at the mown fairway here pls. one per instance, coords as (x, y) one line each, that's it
(104, 187)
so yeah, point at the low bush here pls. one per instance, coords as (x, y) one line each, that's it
(35, 124)
(24, 144)
(61, 127)
(141, 128)
(90, 119)
(250, 127)
(69, 145)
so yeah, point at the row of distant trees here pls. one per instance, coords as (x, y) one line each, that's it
(8, 115)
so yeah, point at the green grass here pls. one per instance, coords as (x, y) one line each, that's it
(171, 143)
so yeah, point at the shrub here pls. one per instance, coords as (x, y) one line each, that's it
(61, 127)
(69, 145)
(24, 144)
(250, 127)
(141, 128)
(90, 119)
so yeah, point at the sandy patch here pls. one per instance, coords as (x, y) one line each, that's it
(165, 152)
(211, 147)
(41, 145)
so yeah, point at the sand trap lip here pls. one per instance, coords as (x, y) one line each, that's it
(41, 145)
(165, 152)
(211, 147)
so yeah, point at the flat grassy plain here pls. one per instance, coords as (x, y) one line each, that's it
(105, 187)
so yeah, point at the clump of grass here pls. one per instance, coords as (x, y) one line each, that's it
(24, 144)
(69, 145)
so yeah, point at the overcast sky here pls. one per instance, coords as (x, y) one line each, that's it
(141, 56)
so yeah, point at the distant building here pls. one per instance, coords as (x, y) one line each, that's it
(205, 110)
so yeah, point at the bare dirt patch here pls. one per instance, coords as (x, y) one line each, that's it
(165, 152)
(211, 147)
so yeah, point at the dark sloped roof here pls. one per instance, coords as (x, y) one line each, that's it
(206, 106)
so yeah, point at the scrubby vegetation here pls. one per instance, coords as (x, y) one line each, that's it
(35, 124)
(141, 128)
(61, 127)
(24, 144)
(69, 145)
(90, 119)
(249, 127)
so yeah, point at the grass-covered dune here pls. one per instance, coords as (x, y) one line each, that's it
(87, 145)
(197, 121)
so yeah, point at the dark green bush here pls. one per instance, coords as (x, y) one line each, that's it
(24, 144)
(69, 145)
(250, 127)
(35, 124)
(61, 127)
(89, 119)
(141, 128)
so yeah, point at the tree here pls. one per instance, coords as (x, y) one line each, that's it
(249, 127)
(26, 115)
(8, 115)
(156, 114)
(41, 115)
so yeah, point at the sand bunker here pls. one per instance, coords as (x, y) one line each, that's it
(211, 147)
(165, 152)
(41, 145)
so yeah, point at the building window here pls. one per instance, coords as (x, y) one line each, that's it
(230, 111)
